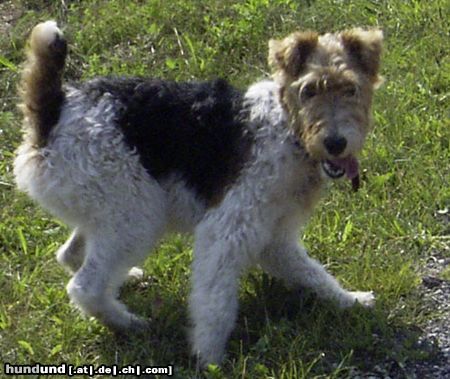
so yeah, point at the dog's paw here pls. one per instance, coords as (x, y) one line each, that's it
(366, 299)
(139, 324)
(135, 273)
(136, 325)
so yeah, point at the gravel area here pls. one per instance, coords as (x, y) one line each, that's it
(436, 293)
(9, 13)
(435, 335)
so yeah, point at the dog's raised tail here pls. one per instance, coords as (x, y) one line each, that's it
(41, 85)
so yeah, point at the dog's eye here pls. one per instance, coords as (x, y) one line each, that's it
(308, 92)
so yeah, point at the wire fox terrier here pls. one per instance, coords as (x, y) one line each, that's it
(123, 161)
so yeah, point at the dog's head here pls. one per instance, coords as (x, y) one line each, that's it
(327, 82)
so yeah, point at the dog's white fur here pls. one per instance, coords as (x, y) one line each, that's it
(89, 178)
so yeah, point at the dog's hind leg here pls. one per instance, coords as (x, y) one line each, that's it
(109, 257)
(71, 254)
(290, 262)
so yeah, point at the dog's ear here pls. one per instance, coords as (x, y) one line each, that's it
(364, 47)
(290, 54)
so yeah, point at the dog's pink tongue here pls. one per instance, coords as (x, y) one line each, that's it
(349, 164)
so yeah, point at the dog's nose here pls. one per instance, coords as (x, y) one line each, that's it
(335, 144)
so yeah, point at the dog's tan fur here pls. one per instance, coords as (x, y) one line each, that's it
(326, 79)
(40, 87)
(331, 66)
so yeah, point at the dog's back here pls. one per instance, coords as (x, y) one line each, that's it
(196, 130)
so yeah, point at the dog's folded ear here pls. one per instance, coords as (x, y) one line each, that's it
(290, 54)
(364, 47)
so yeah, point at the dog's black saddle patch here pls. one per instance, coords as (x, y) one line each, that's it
(195, 129)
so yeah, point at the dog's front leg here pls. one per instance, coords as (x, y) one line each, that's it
(213, 300)
(290, 262)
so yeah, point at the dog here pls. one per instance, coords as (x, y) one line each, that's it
(124, 161)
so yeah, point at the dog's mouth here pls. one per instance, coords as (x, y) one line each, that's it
(333, 170)
(337, 168)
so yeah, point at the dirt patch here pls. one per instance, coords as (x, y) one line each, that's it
(9, 14)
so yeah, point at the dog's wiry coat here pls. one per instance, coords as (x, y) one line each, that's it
(124, 161)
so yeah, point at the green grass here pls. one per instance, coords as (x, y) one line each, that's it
(375, 239)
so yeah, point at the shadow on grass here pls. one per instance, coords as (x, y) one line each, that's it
(275, 326)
